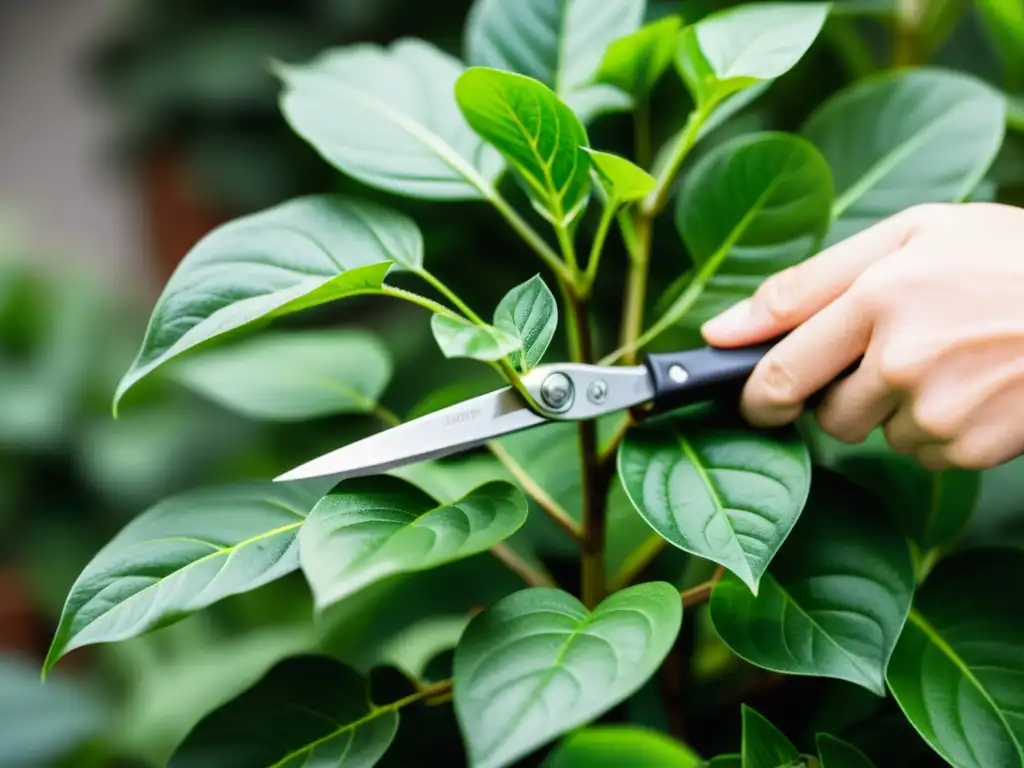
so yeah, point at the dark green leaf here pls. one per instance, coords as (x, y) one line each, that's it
(722, 492)
(726, 761)
(297, 255)
(538, 134)
(615, 746)
(307, 710)
(386, 117)
(835, 753)
(622, 181)
(763, 745)
(957, 668)
(458, 337)
(292, 376)
(1004, 22)
(634, 63)
(558, 42)
(538, 664)
(836, 596)
(530, 312)
(180, 556)
(888, 142)
(367, 529)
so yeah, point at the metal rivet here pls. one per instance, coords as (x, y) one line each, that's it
(678, 374)
(597, 392)
(557, 391)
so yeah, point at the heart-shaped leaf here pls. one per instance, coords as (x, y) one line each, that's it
(622, 181)
(558, 42)
(530, 312)
(613, 746)
(297, 255)
(292, 376)
(723, 492)
(957, 668)
(367, 529)
(539, 136)
(538, 664)
(307, 710)
(888, 142)
(836, 597)
(458, 337)
(836, 753)
(764, 746)
(180, 556)
(385, 116)
(634, 63)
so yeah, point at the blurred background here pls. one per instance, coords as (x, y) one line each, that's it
(130, 128)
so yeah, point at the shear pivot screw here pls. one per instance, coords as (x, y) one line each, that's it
(556, 391)
(678, 374)
(597, 392)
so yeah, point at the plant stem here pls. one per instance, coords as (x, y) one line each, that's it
(597, 247)
(655, 201)
(385, 415)
(701, 593)
(529, 234)
(520, 567)
(421, 301)
(636, 288)
(642, 133)
(426, 692)
(638, 560)
(569, 251)
(532, 488)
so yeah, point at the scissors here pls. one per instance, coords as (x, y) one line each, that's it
(560, 392)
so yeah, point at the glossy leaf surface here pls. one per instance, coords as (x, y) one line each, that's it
(538, 664)
(307, 710)
(957, 668)
(888, 139)
(458, 337)
(836, 753)
(538, 134)
(367, 529)
(836, 596)
(385, 116)
(180, 556)
(530, 312)
(764, 746)
(614, 746)
(634, 63)
(292, 376)
(726, 493)
(622, 180)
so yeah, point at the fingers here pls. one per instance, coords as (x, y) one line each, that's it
(857, 405)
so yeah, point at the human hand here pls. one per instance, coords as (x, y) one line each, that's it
(933, 299)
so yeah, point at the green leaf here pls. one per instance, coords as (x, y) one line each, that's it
(458, 337)
(538, 134)
(368, 529)
(836, 753)
(752, 206)
(297, 255)
(737, 47)
(558, 42)
(538, 664)
(1004, 22)
(385, 116)
(292, 376)
(723, 492)
(726, 761)
(180, 556)
(763, 745)
(530, 312)
(957, 668)
(888, 139)
(307, 710)
(614, 746)
(836, 597)
(634, 63)
(622, 181)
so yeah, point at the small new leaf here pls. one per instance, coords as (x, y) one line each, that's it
(764, 746)
(530, 312)
(605, 746)
(836, 753)
(622, 180)
(635, 62)
(537, 134)
(458, 337)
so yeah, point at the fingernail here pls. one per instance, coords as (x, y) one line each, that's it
(733, 319)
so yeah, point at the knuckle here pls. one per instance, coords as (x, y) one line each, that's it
(843, 430)
(935, 419)
(779, 387)
(778, 296)
(923, 215)
(896, 440)
(896, 368)
(974, 454)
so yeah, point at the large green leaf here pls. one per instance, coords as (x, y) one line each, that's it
(385, 116)
(368, 529)
(836, 753)
(537, 133)
(906, 137)
(558, 42)
(291, 257)
(531, 313)
(958, 666)
(836, 596)
(614, 746)
(292, 376)
(538, 664)
(307, 710)
(720, 491)
(634, 63)
(180, 556)
(763, 745)
(751, 207)
(458, 337)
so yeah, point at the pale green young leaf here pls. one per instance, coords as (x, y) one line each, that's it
(622, 180)
(537, 134)
(537, 664)
(180, 556)
(634, 63)
(530, 312)
(290, 376)
(385, 116)
(558, 42)
(368, 529)
(307, 710)
(836, 753)
(294, 256)
(764, 746)
(614, 746)
(458, 337)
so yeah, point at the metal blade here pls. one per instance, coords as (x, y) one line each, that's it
(441, 433)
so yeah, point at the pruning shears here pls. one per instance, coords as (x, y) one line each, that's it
(560, 392)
